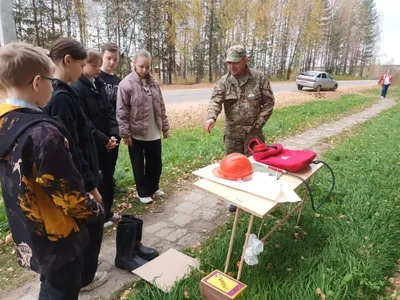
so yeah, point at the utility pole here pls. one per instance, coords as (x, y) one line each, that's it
(8, 32)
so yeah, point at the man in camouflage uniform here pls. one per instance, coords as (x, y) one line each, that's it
(247, 99)
(248, 102)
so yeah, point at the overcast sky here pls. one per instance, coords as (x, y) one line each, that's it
(390, 30)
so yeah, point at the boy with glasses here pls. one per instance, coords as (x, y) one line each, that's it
(47, 207)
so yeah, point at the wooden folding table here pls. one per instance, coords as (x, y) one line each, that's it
(257, 206)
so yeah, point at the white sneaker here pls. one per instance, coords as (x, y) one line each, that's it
(99, 279)
(159, 193)
(108, 224)
(115, 217)
(145, 200)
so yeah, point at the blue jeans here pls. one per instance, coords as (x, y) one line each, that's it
(385, 88)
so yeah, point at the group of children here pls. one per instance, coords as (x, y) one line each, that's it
(60, 129)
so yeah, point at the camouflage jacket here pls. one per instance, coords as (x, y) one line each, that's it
(44, 195)
(245, 106)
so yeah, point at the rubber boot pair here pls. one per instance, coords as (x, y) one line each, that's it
(131, 253)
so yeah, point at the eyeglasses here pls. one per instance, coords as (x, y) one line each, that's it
(53, 80)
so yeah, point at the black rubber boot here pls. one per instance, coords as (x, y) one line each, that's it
(144, 252)
(126, 257)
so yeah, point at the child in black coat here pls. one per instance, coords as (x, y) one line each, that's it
(68, 56)
(94, 102)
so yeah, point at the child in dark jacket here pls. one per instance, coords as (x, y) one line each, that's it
(110, 59)
(101, 120)
(44, 194)
(69, 58)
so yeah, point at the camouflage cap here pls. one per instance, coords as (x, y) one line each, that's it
(235, 53)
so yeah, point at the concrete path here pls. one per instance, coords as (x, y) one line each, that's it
(313, 138)
(189, 216)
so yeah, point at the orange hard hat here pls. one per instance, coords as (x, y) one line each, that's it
(233, 167)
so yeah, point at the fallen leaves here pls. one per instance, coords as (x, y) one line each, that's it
(9, 239)
(319, 292)
(196, 248)
(237, 264)
(124, 205)
(185, 115)
(300, 235)
(125, 295)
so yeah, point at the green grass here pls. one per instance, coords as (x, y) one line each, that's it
(3, 218)
(351, 246)
(189, 149)
(11, 274)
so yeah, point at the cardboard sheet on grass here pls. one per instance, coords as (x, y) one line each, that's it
(263, 183)
(168, 268)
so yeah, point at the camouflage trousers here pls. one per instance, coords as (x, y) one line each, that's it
(239, 145)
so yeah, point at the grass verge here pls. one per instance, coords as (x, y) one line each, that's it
(348, 250)
(3, 218)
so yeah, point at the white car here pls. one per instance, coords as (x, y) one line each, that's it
(316, 80)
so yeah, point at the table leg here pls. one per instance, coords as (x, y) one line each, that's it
(302, 205)
(245, 246)
(283, 210)
(228, 257)
(261, 226)
(281, 222)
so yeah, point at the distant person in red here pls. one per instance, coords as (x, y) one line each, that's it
(385, 80)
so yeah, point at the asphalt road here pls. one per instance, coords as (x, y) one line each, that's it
(203, 95)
